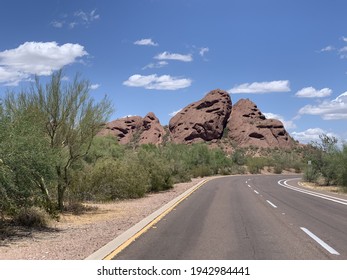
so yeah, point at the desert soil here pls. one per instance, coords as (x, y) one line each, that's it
(75, 237)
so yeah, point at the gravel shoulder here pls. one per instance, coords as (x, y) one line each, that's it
(76, 237)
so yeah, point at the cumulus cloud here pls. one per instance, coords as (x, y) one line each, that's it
(310, 135)
(287, 124)
(164, 82)
(335, 109)
(145, 42)
(36, 58)
(262, 87)
(311, 92)
(174, 56)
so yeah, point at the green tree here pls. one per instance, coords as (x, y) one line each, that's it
(26, 161)
(70, 120)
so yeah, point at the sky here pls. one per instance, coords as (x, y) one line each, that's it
(289, 57)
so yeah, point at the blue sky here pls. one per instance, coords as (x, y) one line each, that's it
(289, 57)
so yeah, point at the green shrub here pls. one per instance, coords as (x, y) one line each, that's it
(112, 179)
(201, 171)
(256, 164)
(157, 168)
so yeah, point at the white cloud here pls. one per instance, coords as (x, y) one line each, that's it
(36, 58)
(174, 56)
(87, 17)
(145, 42)
(159, 64)
(164, 82)
(57, 24)
(311, 92)
(287, 124)
(344, 39)
(327, 49)
(335, 109)
(262, 87)
(10, 77)
(203, 51)
(94, 86)
(78, 18)
(174, 113)
(310, 135)
(343, 52)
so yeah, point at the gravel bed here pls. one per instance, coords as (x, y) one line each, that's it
(76, 237)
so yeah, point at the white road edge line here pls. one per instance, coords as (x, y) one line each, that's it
(256, 192)
(320, 242)
(284, 183)
(273, 205)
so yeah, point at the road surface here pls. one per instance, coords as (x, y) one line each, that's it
(248, 217)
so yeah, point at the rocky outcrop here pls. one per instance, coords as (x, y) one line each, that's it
(247, 126)
(151, 131)
(203, 120)
(208, 119)
(147, 130)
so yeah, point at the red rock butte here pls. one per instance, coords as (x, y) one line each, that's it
(209, 119)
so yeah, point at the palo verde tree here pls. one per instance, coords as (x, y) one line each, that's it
(69, 118)
(26, 161)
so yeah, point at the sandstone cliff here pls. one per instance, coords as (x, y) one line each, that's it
(247, 126)
(203, 120)
(147, 130)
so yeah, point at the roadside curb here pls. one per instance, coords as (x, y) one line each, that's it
(127, 237)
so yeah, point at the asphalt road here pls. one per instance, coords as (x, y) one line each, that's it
(248, 217)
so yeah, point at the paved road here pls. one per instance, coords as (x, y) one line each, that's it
(248, 217)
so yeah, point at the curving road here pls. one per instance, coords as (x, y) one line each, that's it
(248, 217)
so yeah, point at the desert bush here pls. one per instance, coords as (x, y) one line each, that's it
(118, 179)
(156, 166)
(32, 217)
(104, 147)
(256, 164)
(239, 157)
(78, 208)
(342, 169)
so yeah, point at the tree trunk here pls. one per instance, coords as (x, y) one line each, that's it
(61, 192)
(42, 185)
(61, 189)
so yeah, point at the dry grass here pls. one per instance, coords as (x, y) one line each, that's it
(314, 186)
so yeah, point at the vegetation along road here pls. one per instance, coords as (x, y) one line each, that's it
(248, 217)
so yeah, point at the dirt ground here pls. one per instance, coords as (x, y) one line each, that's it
(75, 237)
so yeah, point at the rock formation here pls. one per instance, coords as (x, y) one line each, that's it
(210, 118)
(147, 130)
(151, 131)
(247, 126)
(203, 120)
